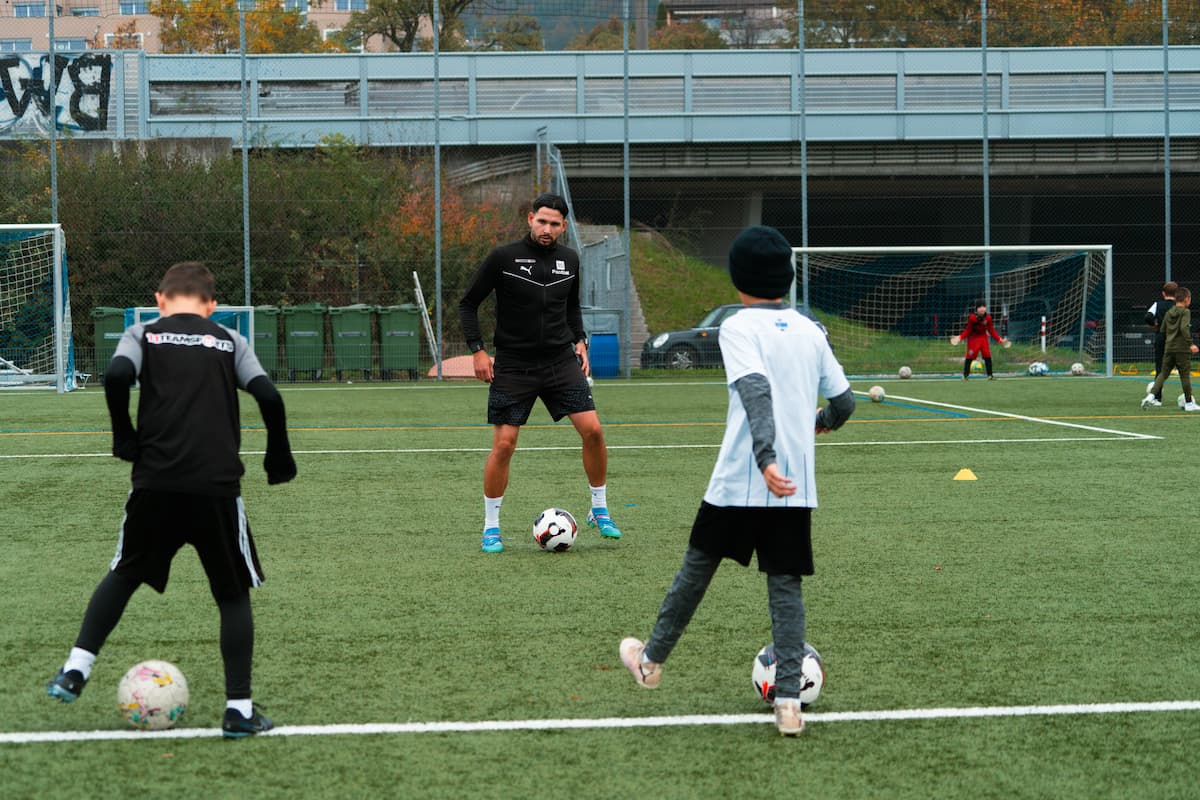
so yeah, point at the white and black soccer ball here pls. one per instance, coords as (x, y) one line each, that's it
(554, 530)
(1039, 368)
(905, 372)
(1077, 368)
(812, 674)
(876, 393)
(152, 695)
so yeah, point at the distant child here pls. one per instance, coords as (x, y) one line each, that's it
(1154, 317)
(762, 490)
(186, 477)
(979, 328)
(1177, 351)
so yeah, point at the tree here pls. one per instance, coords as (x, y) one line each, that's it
(604, 36)
(211, 26)
(686, 36)
(124, 37)
(519, 32)
(400, 22)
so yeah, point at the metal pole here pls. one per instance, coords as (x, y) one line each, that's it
(245, 158)
(1166, 143)
(52, 111)
(803, 162)
(437, 178)
(987, 188)
(627, 325)
(642, 27)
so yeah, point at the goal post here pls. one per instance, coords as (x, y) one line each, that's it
(36, 345)
(887, 307)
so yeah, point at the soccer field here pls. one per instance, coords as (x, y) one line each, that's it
(1065, 576)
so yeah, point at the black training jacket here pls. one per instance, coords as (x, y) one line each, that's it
(537, 299)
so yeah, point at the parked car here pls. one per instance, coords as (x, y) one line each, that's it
(694, 347)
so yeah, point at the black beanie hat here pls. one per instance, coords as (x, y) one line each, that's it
(760, 263)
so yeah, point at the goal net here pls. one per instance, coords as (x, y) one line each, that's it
(36, 349)
(887, 307)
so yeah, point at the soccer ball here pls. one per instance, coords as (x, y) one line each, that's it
(876, 394)
(153, 695)
(976, 366)
(812, 674)
(554, 530)
(1038, 368)
(906, 372)
(1077, 368)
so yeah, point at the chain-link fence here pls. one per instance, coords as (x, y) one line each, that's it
(833, 143)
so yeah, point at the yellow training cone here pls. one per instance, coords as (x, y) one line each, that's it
(965, 474)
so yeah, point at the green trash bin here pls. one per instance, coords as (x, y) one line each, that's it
(399, 339)
(109, 327)
(266, 338)
(351, 326)
(304, 339)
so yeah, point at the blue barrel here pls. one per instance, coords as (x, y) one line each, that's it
(605, 355)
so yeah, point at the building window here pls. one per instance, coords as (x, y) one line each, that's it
(125, 41)
(85, 11)
(131, 7)
(300, 6)
(15, 45)
(349, 5)
(29, 9)
(70, 45)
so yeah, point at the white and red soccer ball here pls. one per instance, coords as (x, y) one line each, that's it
(812, 674)
(555, 530)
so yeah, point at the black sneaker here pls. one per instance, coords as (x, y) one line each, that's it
(236, 726)
(66, 686)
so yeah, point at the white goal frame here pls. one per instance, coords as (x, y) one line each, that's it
(800, 288)
(63, 379)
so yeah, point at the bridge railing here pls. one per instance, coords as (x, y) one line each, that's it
(503, 98)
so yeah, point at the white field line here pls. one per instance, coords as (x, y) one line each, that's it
(1043, 421)
(491, 726)
(1123, 437)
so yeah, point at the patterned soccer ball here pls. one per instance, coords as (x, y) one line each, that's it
(876, 394)
(1077, 368)
(554, 530)
(153, 695)
(1039, 368)
(905, 371)
(812, 675)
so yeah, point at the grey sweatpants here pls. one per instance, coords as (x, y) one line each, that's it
(686, 592)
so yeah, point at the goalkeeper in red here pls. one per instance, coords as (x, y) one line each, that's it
(977, 332)
(186, 478)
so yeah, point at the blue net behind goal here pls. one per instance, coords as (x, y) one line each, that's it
(36, 347)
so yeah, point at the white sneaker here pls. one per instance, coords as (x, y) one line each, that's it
(787, 716)
(1149, 402)
(646, 673)
(1192, 406)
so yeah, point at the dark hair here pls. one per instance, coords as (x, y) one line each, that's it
(1170, 288)
(1182, 294)
(978, 303)
(190, 279)
(551, 201)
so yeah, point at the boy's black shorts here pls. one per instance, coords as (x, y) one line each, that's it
(158, 523)
(517, 383)
(782, 537)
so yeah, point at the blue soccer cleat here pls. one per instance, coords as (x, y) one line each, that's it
(66, 686)
(491, 541)
(235, 726)
(599, 518)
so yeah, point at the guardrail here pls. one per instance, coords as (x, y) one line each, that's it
(709, 96)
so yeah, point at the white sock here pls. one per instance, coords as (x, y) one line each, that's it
(81, 661)
(491, 511)
(243, 707)
(600, 496)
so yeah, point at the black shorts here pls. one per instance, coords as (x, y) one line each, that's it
(158, 523)
(782, 537)
(517, 383)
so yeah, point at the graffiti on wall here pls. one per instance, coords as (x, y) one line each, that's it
(82, 85)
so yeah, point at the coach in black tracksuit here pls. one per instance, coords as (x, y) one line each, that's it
(541, 351)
